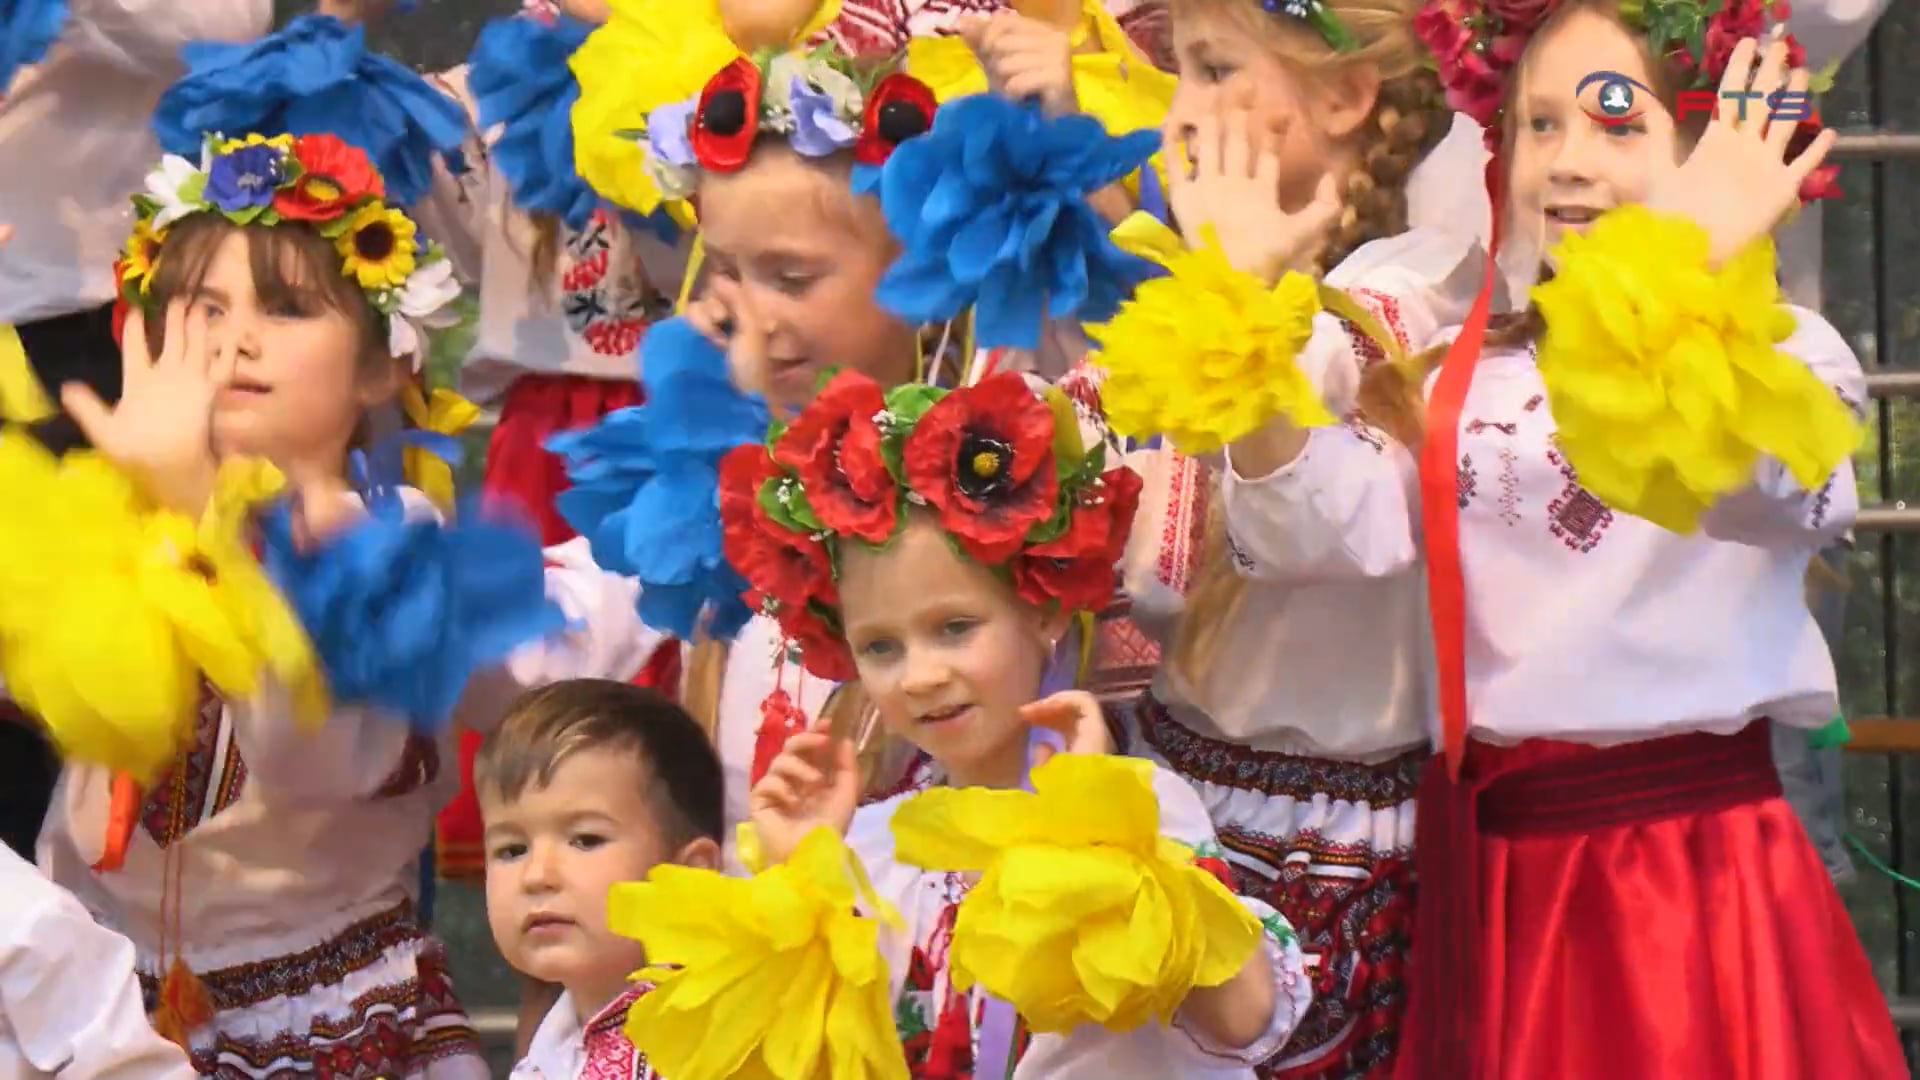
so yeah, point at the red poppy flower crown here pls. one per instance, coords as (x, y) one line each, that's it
(820, 100)
(1477, 44)
(1000, 467)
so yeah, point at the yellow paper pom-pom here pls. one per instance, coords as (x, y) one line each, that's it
(1206, 354)
(1664, 376)
(110, 611)
(1084, 913)
(773, 977)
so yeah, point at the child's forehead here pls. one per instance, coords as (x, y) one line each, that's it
(586, 779)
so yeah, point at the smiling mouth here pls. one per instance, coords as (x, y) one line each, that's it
(939, 716)
(1572, 215)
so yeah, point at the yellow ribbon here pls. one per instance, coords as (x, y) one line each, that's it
(446, 413)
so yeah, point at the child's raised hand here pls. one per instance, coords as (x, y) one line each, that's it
(1075, 714)
(1737, 183)
(1025, 58)
(162, 428)
(814, 781)
(729, 319)
(1225, 173)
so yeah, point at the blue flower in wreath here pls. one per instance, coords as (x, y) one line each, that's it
(245, 179)
(990, 208)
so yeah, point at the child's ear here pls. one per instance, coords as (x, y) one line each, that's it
(1345, 99)
(702, 852)
(1052, 626)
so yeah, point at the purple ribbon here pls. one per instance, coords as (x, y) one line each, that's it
(997, 1019)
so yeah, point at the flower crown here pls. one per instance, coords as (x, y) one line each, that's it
(1001, 468)
(820, 100)
(316, 179)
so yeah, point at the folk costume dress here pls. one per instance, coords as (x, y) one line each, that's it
(565, 1049)
(1618, 513)
(1306, 735)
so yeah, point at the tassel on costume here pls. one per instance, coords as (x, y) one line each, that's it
(122, 813)
(184, 1005)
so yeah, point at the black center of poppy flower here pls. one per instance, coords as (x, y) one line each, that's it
(982, 467)
(901, 120)
(375, 242)
(726, 113)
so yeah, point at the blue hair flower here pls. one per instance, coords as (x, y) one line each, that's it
(646, 483)
(28, 28)
(990, 208)
(403, 612)
(519, 77)
(245, 179)
(315, 76)
(817, 130)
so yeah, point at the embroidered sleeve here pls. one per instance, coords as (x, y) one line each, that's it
(1775, 511)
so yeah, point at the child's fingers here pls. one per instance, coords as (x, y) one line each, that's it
(796, 771)
(1054, 712)
(1042, 753)
(1780, 133)
(88, 411)
(172, 345)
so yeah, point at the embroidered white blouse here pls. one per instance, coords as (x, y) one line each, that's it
(564, 1049)
(609, 280)
(1326, 651)
(1596, 626)
(916, 961)
(69, 1004)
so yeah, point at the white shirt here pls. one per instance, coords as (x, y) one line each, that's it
(76, 143)
(609, 281)
(1326, 653)
(1151, 1052)
(69, 1003)
(564, 1049)
(1596, 626)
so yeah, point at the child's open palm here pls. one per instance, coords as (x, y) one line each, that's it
(814, 781)
(161, 429)
(1737, 183)
(1225, 174)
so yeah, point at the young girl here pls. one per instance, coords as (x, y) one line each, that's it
(794, 258)
(948, 589)
(1281, 649)
(266, 877)
(1617, 603)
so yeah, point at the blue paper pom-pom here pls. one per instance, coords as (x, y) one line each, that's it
(646, 483)
(990, 208)
(403, 612)
(519, 77)
(28, 29)
(315, 76)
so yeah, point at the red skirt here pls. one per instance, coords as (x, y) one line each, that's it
(1651, 910)
(521, 473)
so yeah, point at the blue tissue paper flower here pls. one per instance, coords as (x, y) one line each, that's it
(519, 78)
(403, 612)
(646, 483)
(990, 208)
(315, 76)
(28, 29)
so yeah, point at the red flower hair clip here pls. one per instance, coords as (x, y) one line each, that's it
(899, 108)
(727, 118)
(999, 467)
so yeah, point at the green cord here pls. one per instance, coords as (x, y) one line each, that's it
(1873, 860)
(1834, 734)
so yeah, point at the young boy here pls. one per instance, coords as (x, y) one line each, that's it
(588, 782)
(69, 1003)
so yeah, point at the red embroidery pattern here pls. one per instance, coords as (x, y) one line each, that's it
(883, 27)
(1534, 402)
(201, 783)
(1467, 481)
(1385, 308)
(1576, 517)
(1183, 532)
(610, 1054)
(1509, 486)
(608, 306)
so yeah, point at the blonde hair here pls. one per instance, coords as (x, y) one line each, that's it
(1409, 118)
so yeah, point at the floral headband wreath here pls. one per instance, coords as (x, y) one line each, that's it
(321, 181)
(1477, 44)
(1000, 468)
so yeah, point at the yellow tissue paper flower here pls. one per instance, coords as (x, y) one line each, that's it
(110, 611)
(1083, 913)
(648, 53)
(1664, 377)
(21, 398)
(773, 977)
(1206, 354)
(447, 413)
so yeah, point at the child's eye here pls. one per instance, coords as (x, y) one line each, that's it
(508, 852)
(878, 648)
(958, 627)
(1215, 73)
(1631, 127)
(795, 284)
(1540, 125)
(588, 841)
